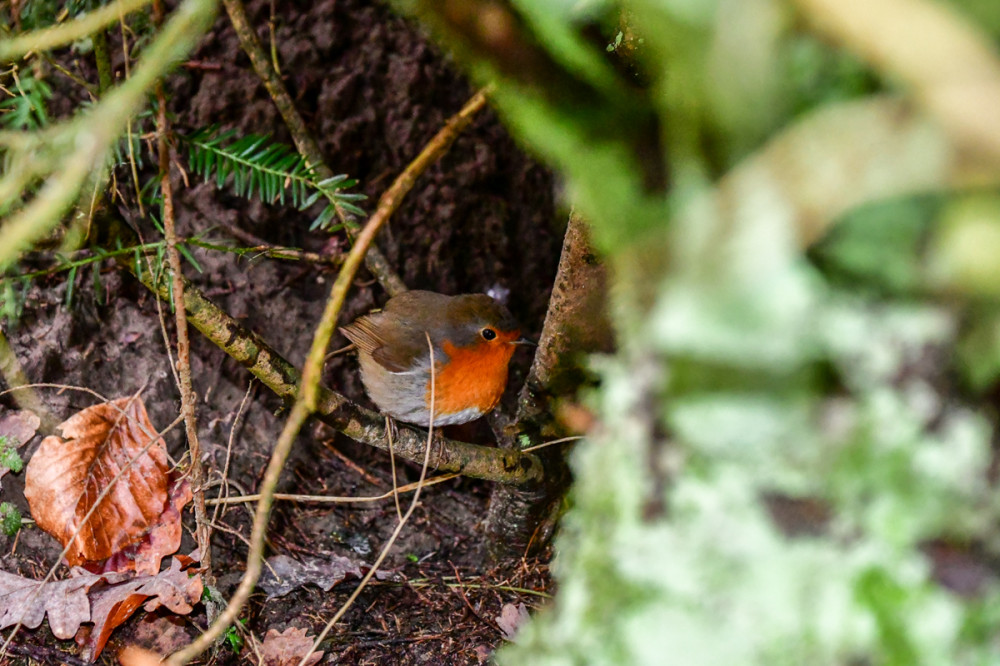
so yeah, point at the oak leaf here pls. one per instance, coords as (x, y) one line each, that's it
(284, 574)
(107, 600)
(288, 648)
(66, 476)
(26, 601)
(120, 595)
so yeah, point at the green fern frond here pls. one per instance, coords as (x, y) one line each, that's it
(253, 166)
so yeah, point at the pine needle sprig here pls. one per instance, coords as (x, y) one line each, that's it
(253, 165)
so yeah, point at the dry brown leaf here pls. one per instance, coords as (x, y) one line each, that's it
(65, 477)
(284, 574)
(511, 618)
(107, 600)
(161, 540)
(115, 602)
(18, 426)
(288, 647)
(65, 601)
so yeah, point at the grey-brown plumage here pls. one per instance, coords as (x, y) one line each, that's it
(473, 338)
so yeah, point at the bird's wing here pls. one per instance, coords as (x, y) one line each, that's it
(390, 343)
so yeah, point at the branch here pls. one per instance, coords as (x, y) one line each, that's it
(375, 261)
(576, 323)
(188, 406)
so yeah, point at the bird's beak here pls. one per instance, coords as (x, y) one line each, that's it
(524, 341)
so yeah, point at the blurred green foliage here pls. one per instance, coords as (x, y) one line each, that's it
(9, 457)
(27, 109)
(10, 519)
(795, 443)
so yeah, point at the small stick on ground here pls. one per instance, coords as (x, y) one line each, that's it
(224, 478)
(202, 529)
(331, 499)
(258, 244)
(361, 471)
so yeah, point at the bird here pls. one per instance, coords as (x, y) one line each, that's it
(473, 336)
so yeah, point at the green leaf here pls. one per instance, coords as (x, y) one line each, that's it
(70, 285)
(323, 219)
(9, 457)
(10, 519)
(183, 250)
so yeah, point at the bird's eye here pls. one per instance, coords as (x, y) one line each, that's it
(489, 333)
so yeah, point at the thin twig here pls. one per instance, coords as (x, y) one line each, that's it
(49, 38)
(102, 58)
(46, 655)
(561, 440)
(392, 465)
(458, 589)
(202, 529)
(375, 481)
(258, 244)
(426, 582)
(229, 449)
(330, 499)
(128, 128)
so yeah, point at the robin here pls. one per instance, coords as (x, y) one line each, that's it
(473, 336)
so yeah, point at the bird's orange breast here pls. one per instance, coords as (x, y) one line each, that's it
(472, 377)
